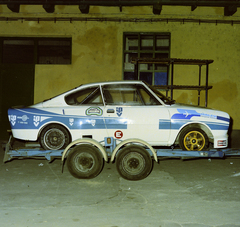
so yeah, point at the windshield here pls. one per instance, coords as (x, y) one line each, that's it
(161, 96)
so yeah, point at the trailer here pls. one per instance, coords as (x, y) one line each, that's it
(85, 157)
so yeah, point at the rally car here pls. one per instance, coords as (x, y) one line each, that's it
(122, 110)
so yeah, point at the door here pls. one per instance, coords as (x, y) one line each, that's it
(133, 112)
(16, 88)
(85, 111)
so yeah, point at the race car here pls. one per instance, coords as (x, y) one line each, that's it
(122, 110)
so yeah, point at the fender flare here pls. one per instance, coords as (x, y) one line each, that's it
(86, 141)
(134, 141)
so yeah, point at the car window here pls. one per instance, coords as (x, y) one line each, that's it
(148, 99)
(128, 94)
(161, 96)
(91, 96)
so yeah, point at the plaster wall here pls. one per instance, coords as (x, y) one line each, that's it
(97, 49)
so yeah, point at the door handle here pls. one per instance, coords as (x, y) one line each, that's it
(110, 111)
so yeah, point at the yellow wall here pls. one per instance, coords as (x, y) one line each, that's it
(97, 49)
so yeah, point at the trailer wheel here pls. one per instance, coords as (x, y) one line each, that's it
(54, 137)
(134, 163)
(85, 161)
(193, 139)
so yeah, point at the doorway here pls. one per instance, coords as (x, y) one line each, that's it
(18, 56)
(16, 88)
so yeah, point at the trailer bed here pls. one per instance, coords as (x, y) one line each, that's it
(35, 151)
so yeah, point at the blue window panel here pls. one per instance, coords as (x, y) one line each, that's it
(160, 78)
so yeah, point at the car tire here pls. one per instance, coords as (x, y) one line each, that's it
(85, 161)
(193, 139)
(54, 137)
(134, 163)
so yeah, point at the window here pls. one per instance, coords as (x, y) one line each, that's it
(90, 96)
(36, 50)
(18, 51)
(146, 45)
(54, 51)
(126, 94)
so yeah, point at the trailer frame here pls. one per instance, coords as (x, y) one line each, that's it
(36, 152)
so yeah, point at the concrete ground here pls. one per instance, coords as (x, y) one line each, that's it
(192, 193)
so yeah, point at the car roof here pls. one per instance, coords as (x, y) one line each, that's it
(60, 98)
(114, 82)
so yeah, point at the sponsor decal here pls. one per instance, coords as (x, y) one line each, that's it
(94, 111)
(12, 119)
(118, 134)
(119, 111)
(208, 115)
(23, 118)
(188, 114)
(71, 121)
(93, 122)
(36, 120)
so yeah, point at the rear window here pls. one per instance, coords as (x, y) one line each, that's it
(90, 96)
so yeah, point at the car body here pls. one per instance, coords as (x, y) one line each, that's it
(123, 110)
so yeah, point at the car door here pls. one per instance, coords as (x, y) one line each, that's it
(131, 111)
(85, 114)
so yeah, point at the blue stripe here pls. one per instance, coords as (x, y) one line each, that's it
(223, 119)
(116, 123)
(34, 120)
(164, 124)
(177, 124)
(215, 126)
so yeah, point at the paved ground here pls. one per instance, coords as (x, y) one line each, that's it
(193, 193)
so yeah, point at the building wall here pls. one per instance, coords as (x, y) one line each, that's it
(97, 48)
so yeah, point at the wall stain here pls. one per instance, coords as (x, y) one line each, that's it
(225, 89)
(187, 97)
(101, 43)
(218, 10)
(94, 9)
(60, 7)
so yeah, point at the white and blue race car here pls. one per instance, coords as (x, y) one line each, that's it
(122, 110)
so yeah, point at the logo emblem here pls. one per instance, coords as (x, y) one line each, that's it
(94, 111)
(71, 121)
(25, 118)
(12, 119)
(93, 122)
(118, 134)
(119, 111)
(36, 120)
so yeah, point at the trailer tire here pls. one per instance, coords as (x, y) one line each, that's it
(54, 137)
(85, 161)
(193, 139)
(134, 163)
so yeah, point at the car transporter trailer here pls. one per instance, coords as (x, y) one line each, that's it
(134, 157)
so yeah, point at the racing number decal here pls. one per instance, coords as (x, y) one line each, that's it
(118, 134)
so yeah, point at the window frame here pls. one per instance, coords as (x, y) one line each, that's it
(135, 88)
(71, 99)
(157, 51)
(36, 50)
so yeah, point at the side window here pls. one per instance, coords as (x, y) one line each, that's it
(122, 94)
(91, 96)
(128, 94)
(147, 98)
